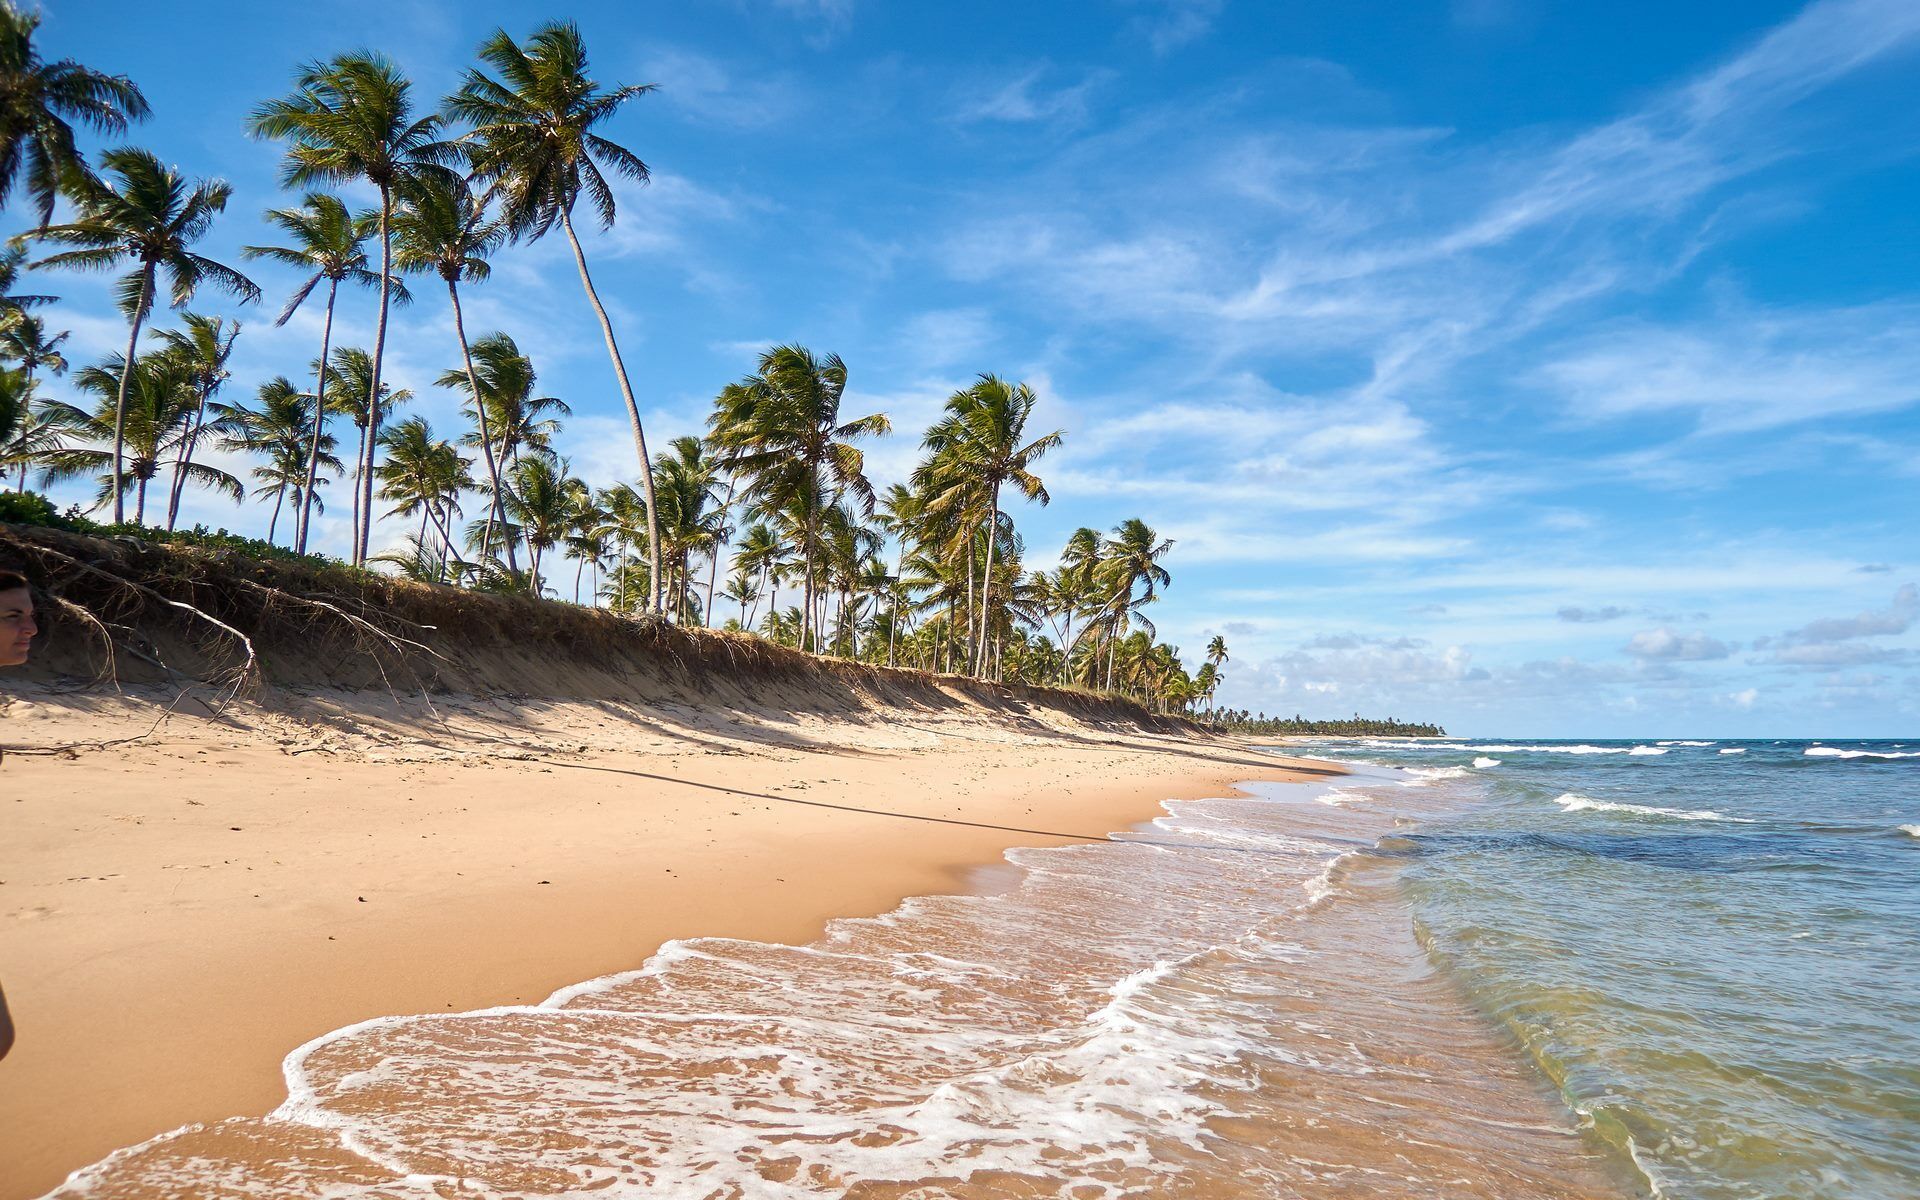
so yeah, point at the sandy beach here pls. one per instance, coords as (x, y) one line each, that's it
(178, 913)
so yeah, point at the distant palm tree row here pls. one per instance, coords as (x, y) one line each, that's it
(929, 574)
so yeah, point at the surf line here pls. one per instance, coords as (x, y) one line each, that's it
(906, 816)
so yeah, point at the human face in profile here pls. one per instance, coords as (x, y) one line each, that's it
(17, 629)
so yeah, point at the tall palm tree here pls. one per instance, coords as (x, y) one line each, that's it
(534, 140)
(148, 218)
(796, 451)
(977, 449)
(158, 406)
(328, 243)
(24, 340)
(441, 226)
(281, 428)
(499, 384)
(351, 119)
(40, 101)
(900, 513)
(203, 348)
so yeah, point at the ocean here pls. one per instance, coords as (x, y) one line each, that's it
(1470, 969)
(1707, 947)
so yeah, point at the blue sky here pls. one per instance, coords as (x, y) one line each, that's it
(1537, 369)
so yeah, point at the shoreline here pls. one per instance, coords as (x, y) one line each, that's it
(165, 949)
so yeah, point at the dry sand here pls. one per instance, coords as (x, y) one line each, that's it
(178, 913)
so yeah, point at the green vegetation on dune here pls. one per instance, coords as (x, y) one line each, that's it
(931, 574)
(1261, 725)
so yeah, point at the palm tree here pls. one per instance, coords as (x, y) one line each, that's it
(148, 219)
(39, 101)
(203, 348)
(349, 382)
(24, 340)
(282, 429)
(542, 498)
(900, 514)
(977, 448)
(683, 484)
(328, 244)
(519, 420)
(533, 139)
(442, 227)
(37, 430)
(13, 305)
(351, 119)
(1131, 560)
(424, 474)
(158, 407)
(796, 452)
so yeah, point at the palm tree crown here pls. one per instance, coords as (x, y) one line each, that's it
(40, 101)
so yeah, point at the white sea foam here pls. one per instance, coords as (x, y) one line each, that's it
(1574, 802)
(1483, 762)
(1340, 797)
(1837, 752)
(1646, 750)
(1911, 830)
(1426, 775)
(1735, 750)
(1683, 743)
(1583, 748)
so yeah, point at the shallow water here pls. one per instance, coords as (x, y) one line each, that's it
(1231, 1002)
(1708, 947)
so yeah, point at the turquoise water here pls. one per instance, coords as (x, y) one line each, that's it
(1709, 948)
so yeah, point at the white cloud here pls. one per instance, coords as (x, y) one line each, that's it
(1668, 645)
(1023, 99)
(1897, 617)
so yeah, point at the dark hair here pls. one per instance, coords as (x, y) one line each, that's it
(10, 580)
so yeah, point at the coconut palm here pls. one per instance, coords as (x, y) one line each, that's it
(424, 474)
(794, 450)
(281, 428)
(519, 420)
(977, 449)
(442, 227)
(203, 347)
(147, 218)
(328, 243)
(351, 119)
(35, 430)
(24, 340)
(1130, 562)
(39, 103)
(685, 512)
(13, 304)
(349, 379)
(542, 498)
(159, 403)
(900, 513)
(534, 139)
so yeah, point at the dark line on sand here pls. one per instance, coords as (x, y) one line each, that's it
(884, 812)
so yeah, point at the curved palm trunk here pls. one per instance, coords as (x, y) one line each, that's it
(184, 457)
(633, 414)
(496, 510)
(120, 402)
(363, 536)
(986, 580)
(279, 495)
(319, 421)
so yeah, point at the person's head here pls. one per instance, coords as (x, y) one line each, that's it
(16, 619)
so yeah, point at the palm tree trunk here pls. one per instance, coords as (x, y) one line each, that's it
(182, 457)
(319, 419)
(140, 502)
(279, 494)
(633, 414)
(986, 580)
(120, 402)
(576, 580)
(486, 435)
(363, 537)
(719, 544)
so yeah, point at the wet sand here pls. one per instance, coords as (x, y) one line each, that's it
(179, 913)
